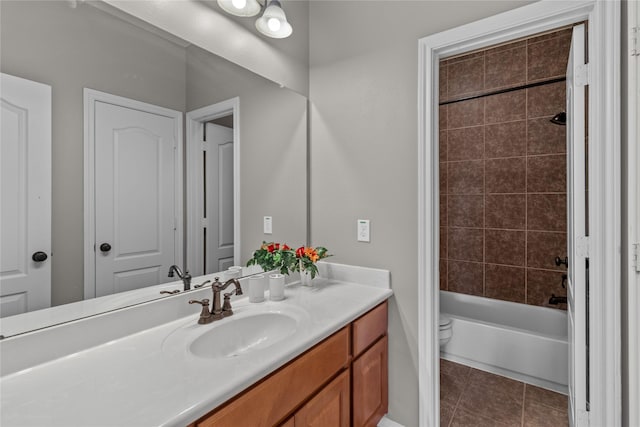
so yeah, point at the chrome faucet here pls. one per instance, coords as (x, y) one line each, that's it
(186, 277)
(218, 311)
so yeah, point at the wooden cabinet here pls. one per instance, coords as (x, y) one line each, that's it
(370, 385)
(329, 408)
(338, 383)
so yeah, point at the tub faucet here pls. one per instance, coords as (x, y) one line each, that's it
(554, 300)
(186, 277)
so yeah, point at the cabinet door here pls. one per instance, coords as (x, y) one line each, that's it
(329, 408)
(370, 385)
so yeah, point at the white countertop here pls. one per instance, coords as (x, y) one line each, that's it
(149, 378)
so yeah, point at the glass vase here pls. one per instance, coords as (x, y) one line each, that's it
(305, 278)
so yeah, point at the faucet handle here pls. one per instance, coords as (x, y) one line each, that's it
(226, 306)
(202, 284)
(205, 314)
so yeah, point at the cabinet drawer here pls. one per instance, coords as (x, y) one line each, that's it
(271, 400)
(369, 328)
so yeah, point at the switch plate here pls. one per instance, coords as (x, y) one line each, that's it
(268, 225)
(363, 230)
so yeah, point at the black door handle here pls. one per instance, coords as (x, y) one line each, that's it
(105, 247)
(39, 256)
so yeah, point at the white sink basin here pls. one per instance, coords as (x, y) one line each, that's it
(243, 335)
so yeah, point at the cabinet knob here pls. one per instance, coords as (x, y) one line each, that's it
(105, 247)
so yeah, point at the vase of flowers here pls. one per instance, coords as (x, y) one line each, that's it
(273, 256)
(279, 256)
(306, 258)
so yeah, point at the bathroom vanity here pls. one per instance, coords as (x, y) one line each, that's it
(319, 357)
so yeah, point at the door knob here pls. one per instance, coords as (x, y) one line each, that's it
(39, 256)
(105, 247)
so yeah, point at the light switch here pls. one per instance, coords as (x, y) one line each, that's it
(268, 225)
(363, 230)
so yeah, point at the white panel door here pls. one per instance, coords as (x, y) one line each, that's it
(577, 283)
(219, 198)
(25, 180)
(135, 199)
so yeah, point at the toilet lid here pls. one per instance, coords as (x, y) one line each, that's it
(444, 320)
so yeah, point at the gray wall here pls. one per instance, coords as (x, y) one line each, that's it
(273, 123)
(70, 49)
(363, 90)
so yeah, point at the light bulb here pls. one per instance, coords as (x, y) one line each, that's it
(239, 4)
(273, 24)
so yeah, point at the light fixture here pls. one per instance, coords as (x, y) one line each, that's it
(240, 7)
(273, 22)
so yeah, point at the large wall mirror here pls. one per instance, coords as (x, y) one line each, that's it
(239, 154)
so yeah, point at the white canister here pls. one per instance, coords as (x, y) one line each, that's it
(276, 287)
(256, 288)
(234, 272)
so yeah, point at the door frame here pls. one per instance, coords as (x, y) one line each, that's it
(604, 192)
(91, 97)
(631, 224)
(194, 122)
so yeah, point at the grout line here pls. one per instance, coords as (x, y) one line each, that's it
(484, 197)
(524, 396)
(526, 189)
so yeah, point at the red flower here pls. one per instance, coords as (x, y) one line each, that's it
(300, 252)
(285, 247)
(271, 248)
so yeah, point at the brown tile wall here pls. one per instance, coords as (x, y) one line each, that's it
(503, 172)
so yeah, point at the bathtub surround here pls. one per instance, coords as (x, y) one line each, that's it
(503, 200)
(472, 397)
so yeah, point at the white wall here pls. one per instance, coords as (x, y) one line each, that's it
(363, 91)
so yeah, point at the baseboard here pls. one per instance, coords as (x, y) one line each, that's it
(387, 422)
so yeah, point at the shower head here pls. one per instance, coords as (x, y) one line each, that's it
(559, 119)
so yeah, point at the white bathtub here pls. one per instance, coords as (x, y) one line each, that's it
(519, 341)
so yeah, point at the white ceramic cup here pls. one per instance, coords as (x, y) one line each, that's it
(256, 288)
(276, 287)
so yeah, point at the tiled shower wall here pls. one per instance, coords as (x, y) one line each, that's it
(503, 172)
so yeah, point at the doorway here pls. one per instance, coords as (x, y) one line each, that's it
(517, 24)
(213, 187)
(503, 227)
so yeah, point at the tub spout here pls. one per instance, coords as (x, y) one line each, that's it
(557, 300)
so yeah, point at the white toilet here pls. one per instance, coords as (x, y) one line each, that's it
(445, 331)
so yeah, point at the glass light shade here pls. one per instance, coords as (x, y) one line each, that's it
(273, 15)
(240, 7)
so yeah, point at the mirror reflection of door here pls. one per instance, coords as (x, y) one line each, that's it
(25, 208)
(218, 195)
(135, 180)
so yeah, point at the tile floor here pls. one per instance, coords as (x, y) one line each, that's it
(469, 397)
